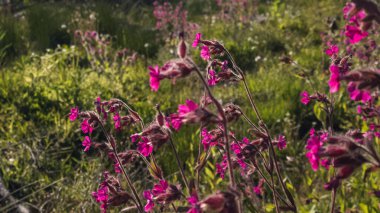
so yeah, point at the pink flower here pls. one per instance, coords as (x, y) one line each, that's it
(189, 106)
(197, 39)
(281, 142)
(145, 147)
(354, 34)
(74, 112)
(305, 97)
(359, 109)
(193, 200)
(117, 168)
(258, 189)
(207, 139)
(347, 9)
(150, 204)
(222, 167)
(334, 79)
(205, 53)
(86, 143)
(332, 50)
(314, 144)
(117, 120)
(154, 80)
(183, 110)
(101, 196)
(160, 188)
(175, 121)
(358, 95)
(212, 80)
(86, 127)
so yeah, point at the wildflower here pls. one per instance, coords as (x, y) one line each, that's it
(332, 50)
(314, 145)
(145, 147)
(162, 193)
(182, 49)
(197, 39)
(205, 53)
(86, 127)
(101, 196)
(116, 119)
(212, 80)
(117, 168)
(354, 34)
(74, 112)
(160, 188)
(359, 109)
(222, 167)
(189, 113)
(154, 80)
(334, 79)
(258, 189)
(86, 143)
(305, 97)
(193, 201)
(281, 142)
(150, 204)
(358, 95)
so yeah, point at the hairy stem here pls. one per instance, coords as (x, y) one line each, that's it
(333, 196)
(179, 164)
(130, 184)
(224, 121)
(272, 153)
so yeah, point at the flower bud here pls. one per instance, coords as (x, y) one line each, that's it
(182, 49)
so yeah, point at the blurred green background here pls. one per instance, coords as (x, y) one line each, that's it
(45, 71)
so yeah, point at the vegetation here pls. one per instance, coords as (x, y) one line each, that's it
(58, 55)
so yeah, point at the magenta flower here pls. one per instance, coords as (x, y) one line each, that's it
(193, 200)
(183, 109)
(205, 53)
(175, 121)
(74, 112)
(160, 188)
(314, 145)
(145, 147)
(222, 167)
(117, 168)
(358, 95)
(150, 204)
(281, 142)
(354, 34)
(86, 143)
(197, 39)
(101, 196)
(207, 139)
(258, 189)
(86, 127)
(305, 97)
(212, 80)
(359, 109)
(332, 50)
(117, 120)
(189, 106)
(334, 83)
(347, 9)
(154, 80)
